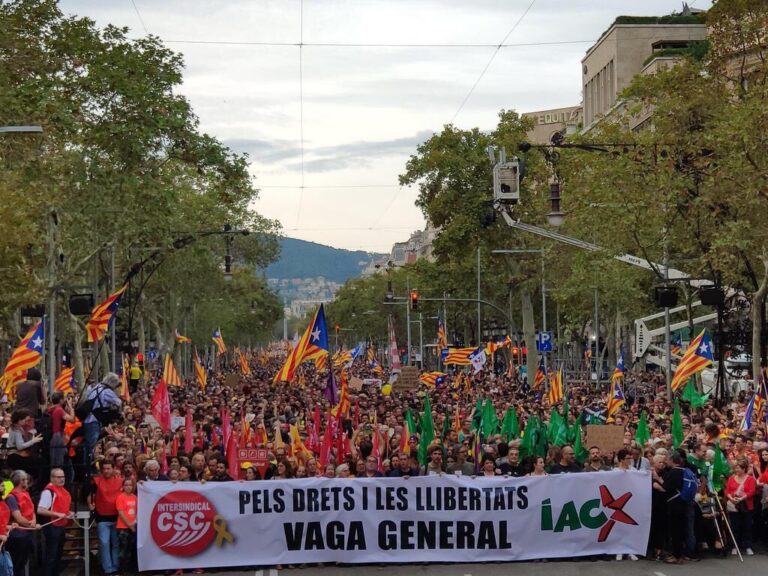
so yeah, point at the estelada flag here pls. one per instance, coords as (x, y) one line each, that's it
(697, 357)
(103, 315)
(312, 342)
(26, 356)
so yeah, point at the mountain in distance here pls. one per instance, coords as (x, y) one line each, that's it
(302, 259)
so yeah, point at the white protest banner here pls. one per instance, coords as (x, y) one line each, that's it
(423, 519)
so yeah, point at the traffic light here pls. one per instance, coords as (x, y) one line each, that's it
(390, 297)
(414, 300)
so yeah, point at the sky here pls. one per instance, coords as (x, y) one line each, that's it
(329, 124)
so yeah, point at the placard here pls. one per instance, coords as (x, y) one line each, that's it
(606, 437)
(408, 379)
(232, 380)
(259, 457)
(355, 384)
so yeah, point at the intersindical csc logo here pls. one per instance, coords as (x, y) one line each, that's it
(183, 523)
(591, 514)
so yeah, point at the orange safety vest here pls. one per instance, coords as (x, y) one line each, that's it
(26, 507)
(62, 503)
(107, 490)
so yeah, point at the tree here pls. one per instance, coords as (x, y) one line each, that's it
(123, 166)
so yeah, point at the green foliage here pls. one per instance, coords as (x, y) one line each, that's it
(121, 161)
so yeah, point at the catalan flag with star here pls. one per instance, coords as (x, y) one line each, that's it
(459, 356)
(218, 339)
(26, 356)
(442, 339)
(103, 315)
(697, 357)
(616, 397)
(618, 372)
(311, 344)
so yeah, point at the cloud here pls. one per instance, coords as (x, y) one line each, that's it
(361, 153)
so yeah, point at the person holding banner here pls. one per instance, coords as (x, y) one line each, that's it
(126, 505)
(20, 540)
(102, 501)
(55, 503)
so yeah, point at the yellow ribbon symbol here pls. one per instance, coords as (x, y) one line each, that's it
(220, 525)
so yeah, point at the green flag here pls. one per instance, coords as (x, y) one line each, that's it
(719, 468)
(557, 432)
(412, 429)
(427, 431)
(534, 441)
(690, 394)
(477, 417)
(510, 427)
(677, 426)
(490, 420)
(642, 435)
(580, 452)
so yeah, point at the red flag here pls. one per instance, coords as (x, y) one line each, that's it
(188, 439)
(325, 447)
(163, 463)
(161, 406)
(175, 446)
(200, 439)
(226, 428)
(313, 439)
(231, 455)
(377, 451)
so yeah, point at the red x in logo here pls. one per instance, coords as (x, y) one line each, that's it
(618, 514)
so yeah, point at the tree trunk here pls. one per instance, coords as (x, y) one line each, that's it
(529, 333)
(758, 301)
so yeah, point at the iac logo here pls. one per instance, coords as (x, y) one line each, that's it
(601, 513)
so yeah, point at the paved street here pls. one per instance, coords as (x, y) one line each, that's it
(710, 567)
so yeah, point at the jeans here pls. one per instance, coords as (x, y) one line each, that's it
(690, 529)
(127, 549)
(19, 548)
(109, 547)
(54, 548)
(92, 432)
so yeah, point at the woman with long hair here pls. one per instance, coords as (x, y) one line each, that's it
(22, 440)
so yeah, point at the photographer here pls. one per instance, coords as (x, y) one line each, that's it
(105, 409)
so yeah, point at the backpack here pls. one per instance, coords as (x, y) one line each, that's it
(690, 486)
(85, 407)
(106, 415)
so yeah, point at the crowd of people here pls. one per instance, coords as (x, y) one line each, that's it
(56, 463)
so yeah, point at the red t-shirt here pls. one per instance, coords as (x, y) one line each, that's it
(127, 504)
(57, 419)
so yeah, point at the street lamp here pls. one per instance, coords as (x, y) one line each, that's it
(21, 129)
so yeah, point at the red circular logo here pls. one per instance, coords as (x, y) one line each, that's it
(182, 523)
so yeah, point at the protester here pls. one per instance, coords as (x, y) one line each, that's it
(103, 502)
(55, 507)
(20, 540)
(126, 504)
(739, 491)
(104, 399)
(22, 440)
